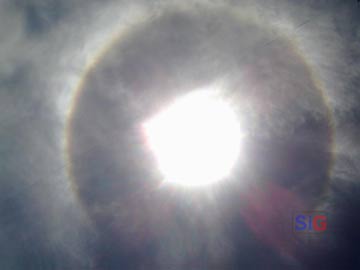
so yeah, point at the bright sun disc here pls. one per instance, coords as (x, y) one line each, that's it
(196, 140)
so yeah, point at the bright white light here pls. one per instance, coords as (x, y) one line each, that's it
(196, 140)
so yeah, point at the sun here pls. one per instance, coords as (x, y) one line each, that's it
(196, 140)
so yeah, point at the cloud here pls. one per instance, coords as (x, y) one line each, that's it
(46, 45)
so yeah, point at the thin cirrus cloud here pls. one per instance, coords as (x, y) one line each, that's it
(44, 51)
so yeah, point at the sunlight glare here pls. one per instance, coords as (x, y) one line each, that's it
(196, 140)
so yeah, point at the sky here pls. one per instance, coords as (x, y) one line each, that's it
(79, 190)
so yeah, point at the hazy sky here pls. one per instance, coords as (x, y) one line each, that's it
(292, 70)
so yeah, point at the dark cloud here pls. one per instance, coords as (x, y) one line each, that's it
(40, 18)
